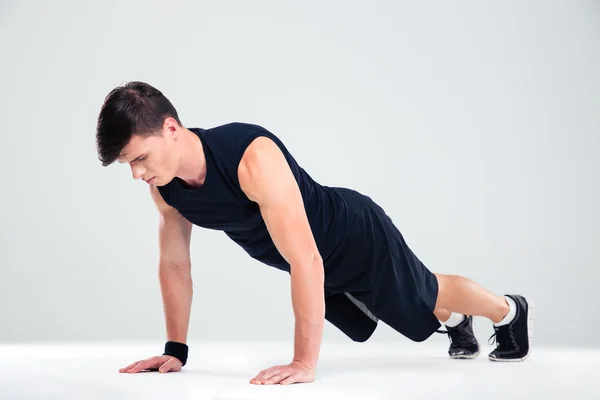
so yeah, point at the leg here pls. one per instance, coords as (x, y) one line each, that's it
(463, 343)
(458, 296)
(462, 295)
(512, 321)
(349, 317)
(442, 314)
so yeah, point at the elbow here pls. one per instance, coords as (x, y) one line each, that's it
(312, 264)
(317, 260)
(180, 270)
(177, 265)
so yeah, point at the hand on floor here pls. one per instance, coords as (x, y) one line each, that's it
(160, 363)
(284, 375)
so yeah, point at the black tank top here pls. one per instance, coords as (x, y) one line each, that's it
(220, 203)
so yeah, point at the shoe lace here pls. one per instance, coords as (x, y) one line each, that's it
(504, 338)
(459, 336)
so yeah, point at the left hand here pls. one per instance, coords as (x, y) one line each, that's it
(284, 375)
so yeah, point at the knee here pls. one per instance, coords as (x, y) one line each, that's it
(442, 314)
(361, 337)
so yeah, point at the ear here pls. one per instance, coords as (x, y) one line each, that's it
(170, 128)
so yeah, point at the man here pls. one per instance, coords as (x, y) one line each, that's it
(348, 263)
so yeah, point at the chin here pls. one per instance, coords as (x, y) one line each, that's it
(159, 181)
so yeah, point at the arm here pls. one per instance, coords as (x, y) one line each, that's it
(265, 177)
(175, 282)
(174, 269)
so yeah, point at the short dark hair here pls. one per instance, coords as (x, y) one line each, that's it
(133, 108)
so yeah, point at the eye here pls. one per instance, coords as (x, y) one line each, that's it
(142, 158)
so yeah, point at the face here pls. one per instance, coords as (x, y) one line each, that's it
(152, 158)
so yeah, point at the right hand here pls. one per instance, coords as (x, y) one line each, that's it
(161, 364)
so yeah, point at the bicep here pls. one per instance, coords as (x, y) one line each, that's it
(290, 230)
(267, 179)
(174, 233)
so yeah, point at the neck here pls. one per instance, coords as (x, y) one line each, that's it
(192, 165)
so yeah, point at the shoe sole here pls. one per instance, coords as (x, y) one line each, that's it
(530, 307)
(465, 357)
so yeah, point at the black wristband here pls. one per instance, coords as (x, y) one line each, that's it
(177, 350)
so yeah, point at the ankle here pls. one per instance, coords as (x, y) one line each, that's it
(507, 316)
(502, 310)
(454, 320)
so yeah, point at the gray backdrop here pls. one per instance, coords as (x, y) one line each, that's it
(474, 124)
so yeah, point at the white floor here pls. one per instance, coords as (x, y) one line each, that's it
(346, 371)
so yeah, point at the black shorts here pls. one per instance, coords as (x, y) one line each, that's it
(378, 277)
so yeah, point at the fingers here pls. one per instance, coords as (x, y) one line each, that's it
(144, 364)
(258, 377)
(127, 368)
(283, 375)
(275, 379)
(265, 374)
(271, 376)
(289, 380)
(167, 366)
(161, 364)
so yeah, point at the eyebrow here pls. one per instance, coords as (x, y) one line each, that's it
(135, 159)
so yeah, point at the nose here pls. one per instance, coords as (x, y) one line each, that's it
(137, 172)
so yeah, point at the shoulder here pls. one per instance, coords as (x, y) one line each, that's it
(262, 163)
(262, 151)
(239, 133)
(232, 128)
(245, 144)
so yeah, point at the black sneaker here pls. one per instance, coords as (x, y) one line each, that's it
(513, 341)
(463, 343)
